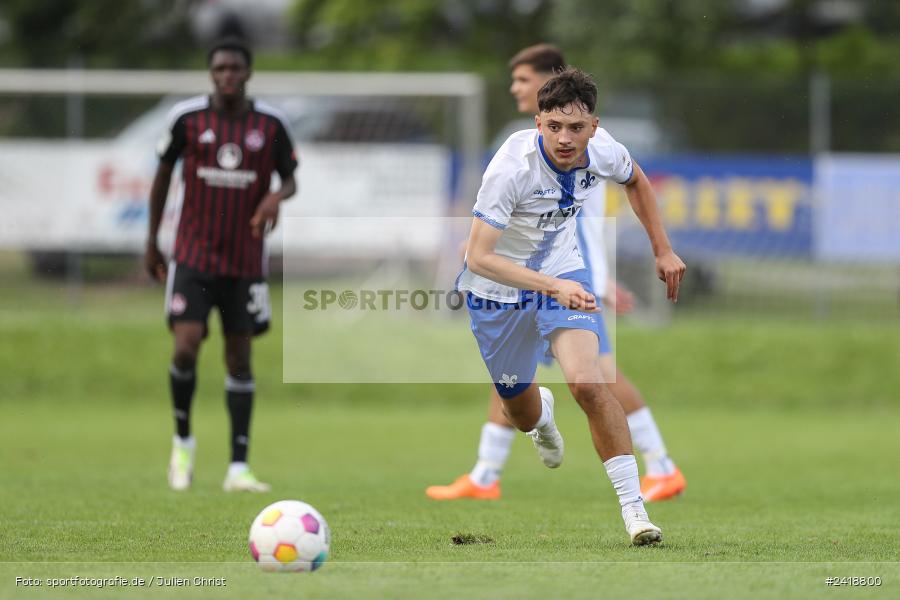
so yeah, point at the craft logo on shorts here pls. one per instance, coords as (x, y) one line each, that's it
(579, 317)
(178, 304)
(229, 156)
(254, 140)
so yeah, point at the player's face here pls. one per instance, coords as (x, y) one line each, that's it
(230, 72)
(567, 131)
(525, 85)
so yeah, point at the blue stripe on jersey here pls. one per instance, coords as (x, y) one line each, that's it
(544, 247)
(566, 179)
(567, 188)
(492, 222)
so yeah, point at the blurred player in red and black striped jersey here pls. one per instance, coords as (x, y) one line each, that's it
(229, 145)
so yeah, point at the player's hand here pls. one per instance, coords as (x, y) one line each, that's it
(670, 268)
(155, 263)
(266, 215)
(571, 295)
(618, 297)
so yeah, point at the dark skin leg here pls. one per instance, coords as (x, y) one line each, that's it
(237, 354)
(188, 337)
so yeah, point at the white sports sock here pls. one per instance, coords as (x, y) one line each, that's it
(237, 468)
(493, 450)
(623, 473)
(647, 439)
(546, 417)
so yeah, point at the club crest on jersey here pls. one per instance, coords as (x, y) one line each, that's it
(207, 137)
(254, 140)
(587, 181)
(229, 156)
(557, 217)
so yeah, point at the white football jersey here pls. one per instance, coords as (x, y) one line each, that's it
(535, 204)
(590, 232)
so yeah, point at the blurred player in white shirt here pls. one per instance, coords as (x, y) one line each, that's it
(530, 69)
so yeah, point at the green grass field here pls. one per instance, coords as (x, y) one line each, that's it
(786, 430)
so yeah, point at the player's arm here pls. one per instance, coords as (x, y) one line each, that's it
(169, 149)
(482, 260)
(669, 267)
(266, 214)
(153, 258)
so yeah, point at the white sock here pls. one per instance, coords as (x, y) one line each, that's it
(237, 468)
(546, 417)
(623, 473)
(187, 443)
(493, 450)
(647, 439)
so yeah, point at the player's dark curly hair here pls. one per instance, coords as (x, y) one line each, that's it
(572, 85)
(233, 44)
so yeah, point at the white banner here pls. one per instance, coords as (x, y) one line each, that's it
(93, 196)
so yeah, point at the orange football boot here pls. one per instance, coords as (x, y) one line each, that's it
(464, 487)
(662, 487)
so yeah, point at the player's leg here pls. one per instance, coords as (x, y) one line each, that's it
(187, 308)
(530, 409)
(576, 351)
(483, 481)
(240, 305)
(522, 410)
(497, 436)
(187, 335)
(663, 479)
(512, 344)
(182, 383)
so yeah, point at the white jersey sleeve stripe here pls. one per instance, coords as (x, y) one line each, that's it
(184, 107)
(492, 222)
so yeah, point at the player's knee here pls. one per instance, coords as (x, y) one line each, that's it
(237, 363)
(187, 347)
(237, 356)
(588, 394)
(239, 367)
(185, 357)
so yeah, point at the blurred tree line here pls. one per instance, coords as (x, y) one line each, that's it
(700, 62)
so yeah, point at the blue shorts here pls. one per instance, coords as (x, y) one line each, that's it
(514, 337)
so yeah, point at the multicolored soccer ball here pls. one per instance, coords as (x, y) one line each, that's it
(289, 535)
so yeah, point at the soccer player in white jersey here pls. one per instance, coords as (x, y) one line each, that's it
(530, 69)
(527, 290)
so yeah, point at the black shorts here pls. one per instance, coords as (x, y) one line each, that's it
(243, 303)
